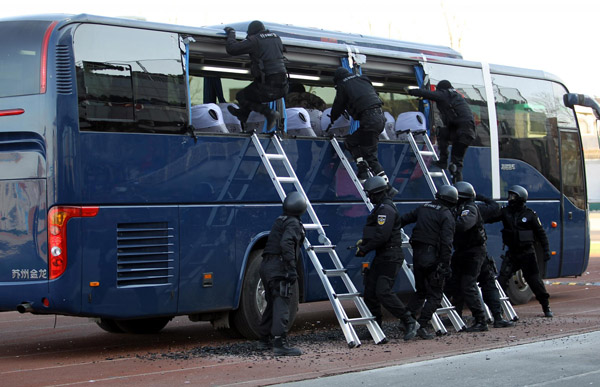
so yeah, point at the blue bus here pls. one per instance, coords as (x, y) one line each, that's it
(120, 204)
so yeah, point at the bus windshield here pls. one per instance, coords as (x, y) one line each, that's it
(20, 51)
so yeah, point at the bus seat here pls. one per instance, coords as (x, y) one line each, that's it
(208, 118)
(410, 121)
(298, 122)
(315, 120)
(340, 127)
(390, 123)
(231, 122)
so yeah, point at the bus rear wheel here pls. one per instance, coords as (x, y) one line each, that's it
(143, 325)
(109, 325)
(247, 317)
(518, 290)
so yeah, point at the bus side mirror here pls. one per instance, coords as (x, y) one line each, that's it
(572, 99)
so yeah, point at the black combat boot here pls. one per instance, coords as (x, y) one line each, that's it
(264, 343)
(424, 334)
(238, 113)
(281, 348)
(441, 164)
(547, 311)
(410, 327)
(479, 326)
(499, 322)
(273, 117)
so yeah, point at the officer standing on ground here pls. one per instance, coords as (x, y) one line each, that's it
(383, 234)
(431, 241)
(458, 129)
(268, 69)
(469, 254)
(278, 274)
(522, 229)
(355, 94)
(487, 274)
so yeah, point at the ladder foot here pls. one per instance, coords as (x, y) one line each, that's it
(383, 341)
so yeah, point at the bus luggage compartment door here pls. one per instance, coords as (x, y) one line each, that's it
(131, 262)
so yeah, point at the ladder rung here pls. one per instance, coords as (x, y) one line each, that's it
(436, 174)
(287, 179)
(274, 156)
(427, 153)
(322, 248)
(445, 310)
(311, 226)
(360, 320)
(347, 296)
(334, 272)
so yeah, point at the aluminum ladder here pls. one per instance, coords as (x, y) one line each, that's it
(361, 191)
(325, 247)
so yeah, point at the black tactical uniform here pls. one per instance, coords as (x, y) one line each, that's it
(522, 229)
(356, 95)
(469, 254)
(383, 234)
(459, 125)
(268, 69)
(431, 241)
(278, 272)
(488, 272)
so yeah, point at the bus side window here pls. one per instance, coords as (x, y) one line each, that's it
(129, 80)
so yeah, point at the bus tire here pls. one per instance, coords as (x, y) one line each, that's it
(109, 325)
(143, 325)
(247, 317)
(518, 290)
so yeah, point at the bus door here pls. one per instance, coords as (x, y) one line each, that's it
(575, 231)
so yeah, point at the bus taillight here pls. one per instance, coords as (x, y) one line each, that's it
(11, 112)
(44, 58)
(57, 235)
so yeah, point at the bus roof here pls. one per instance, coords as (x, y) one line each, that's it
(309, 37)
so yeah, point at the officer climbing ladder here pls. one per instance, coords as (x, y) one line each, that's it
(413, 126)
(347, 324)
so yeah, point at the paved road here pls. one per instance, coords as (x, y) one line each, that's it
(568, 361)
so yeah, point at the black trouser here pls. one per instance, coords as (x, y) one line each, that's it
(364, 142)
(461, 135)
(489, 290)
(276, 316)
(379, 282)
(528, 264)
(254, 96)
(462, 286)
(428, 283)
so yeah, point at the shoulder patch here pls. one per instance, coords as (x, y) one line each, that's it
(381, 219)
(464, 213)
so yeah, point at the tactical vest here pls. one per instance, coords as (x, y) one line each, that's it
(268, 58)
(361, 95)
(473, 237)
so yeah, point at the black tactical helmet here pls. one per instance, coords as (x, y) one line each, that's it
(465, 190)
(294, 204)
(340, 74)
(520, 192)
(375, 184)
(444, 85)
(255, 27)
(447, 193)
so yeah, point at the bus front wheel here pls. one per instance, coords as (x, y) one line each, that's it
(246, 318)
(518, 290)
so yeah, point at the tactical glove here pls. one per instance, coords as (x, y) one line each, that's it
(228, 30)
